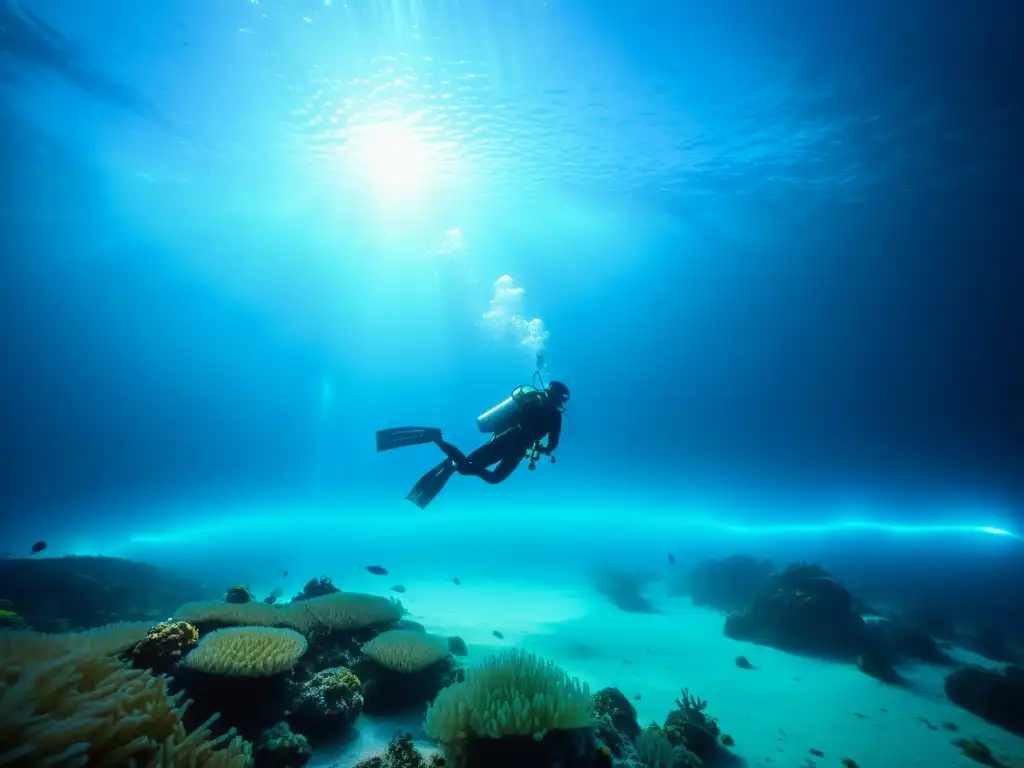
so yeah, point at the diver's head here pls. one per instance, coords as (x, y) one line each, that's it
(558, 394)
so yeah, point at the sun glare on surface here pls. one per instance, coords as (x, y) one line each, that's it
(392, 162)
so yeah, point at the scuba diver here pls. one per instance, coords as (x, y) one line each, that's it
(517, 426)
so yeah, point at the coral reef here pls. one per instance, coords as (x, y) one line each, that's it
(729, 584)
(690, 727)
(247, 652)
(403, 670)
(612, 704)
(401, 753)
(164, 646)
(279, 747)
(70, 710)
(406, 650)
(243, 673)
(997, 697)
(327, 704)
(515, 709)
(68, 593)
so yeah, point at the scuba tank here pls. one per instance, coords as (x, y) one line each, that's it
(506, 413)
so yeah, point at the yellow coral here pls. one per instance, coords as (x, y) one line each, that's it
(81, 710)
(406, 650)
(347, 611)
(247, 652)
(514, 694)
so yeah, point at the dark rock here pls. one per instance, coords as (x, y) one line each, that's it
(900, 641)
(729, 584)
(878, 664)
(932, 623)
(316, 588)
(67, 593)
(997, 697)
(576, 748)
(990, 643)
(623, 588)
(251, 705)
(612, 704)
(804, 610)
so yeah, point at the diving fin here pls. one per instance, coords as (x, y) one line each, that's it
(401, 437)
(428, 486)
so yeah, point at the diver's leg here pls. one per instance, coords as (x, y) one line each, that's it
(431, 484)
(505, 468)
(489, 453)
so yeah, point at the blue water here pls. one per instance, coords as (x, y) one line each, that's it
(768, 246)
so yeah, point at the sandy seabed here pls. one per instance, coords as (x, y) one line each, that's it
(776, 712)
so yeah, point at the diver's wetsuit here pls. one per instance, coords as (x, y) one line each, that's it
(509, 448)
(538, 415)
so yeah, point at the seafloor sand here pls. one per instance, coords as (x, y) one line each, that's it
(776, 713)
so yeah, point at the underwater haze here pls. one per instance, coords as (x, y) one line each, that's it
(773, 248)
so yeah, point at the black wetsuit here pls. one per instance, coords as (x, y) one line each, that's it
(538, 419)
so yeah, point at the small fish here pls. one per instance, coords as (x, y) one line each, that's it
(38, 547)
(377, 570)
(456, 582)
(948, 726)
(860, 715)
(498, 635)
(398, 588)
(816, 752)
(284, 575)
(637, 697)
(671, 559)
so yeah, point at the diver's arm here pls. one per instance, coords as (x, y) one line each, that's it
(554, 434)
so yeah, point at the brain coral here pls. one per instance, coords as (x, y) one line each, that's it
(247, 652)
(514, 694)
(347, 611)
(406, 650)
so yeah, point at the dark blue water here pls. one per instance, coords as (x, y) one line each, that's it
(774, 248)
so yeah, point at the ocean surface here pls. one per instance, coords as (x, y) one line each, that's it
(772, 249)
